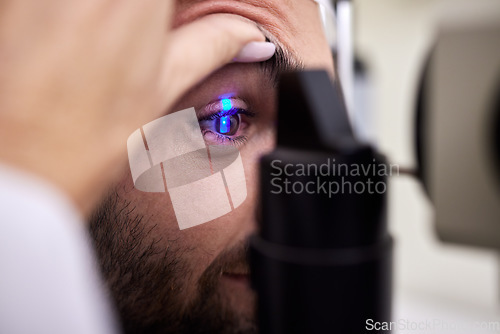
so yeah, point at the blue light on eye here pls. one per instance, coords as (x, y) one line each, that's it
(225, 124)
(226, 105)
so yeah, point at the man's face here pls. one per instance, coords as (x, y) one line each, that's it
(167, 280)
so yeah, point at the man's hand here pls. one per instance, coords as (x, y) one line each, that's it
(77, 77)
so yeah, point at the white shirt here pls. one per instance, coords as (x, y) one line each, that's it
(49, 282)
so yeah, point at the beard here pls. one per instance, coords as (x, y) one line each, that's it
(146, 277)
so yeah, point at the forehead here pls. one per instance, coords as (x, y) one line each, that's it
(286, 19)
(270, 13)
(295, 24)
(261, 3)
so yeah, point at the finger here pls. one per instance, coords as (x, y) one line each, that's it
(199, 48)
(255, 52)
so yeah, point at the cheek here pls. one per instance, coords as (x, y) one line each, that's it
(251, 153)
(156, 208)
(199, 245)
(259, 145)
(194, 246)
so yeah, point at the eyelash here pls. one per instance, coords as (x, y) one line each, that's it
(236, 141)
(223, 139)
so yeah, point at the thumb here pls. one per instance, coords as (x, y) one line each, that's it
(199, 48)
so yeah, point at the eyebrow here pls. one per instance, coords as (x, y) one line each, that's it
(283, 61)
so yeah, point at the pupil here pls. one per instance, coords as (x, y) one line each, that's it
(227, 125)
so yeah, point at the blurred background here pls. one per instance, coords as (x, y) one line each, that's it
(432, 279)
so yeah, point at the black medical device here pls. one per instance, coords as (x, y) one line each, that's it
(321, 260)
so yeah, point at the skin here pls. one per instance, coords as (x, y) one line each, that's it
(74, 74)
(68, 104)
(196, 280)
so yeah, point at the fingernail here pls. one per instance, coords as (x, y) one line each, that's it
(256, 52)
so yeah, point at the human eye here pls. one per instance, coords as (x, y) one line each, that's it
(227, 125)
